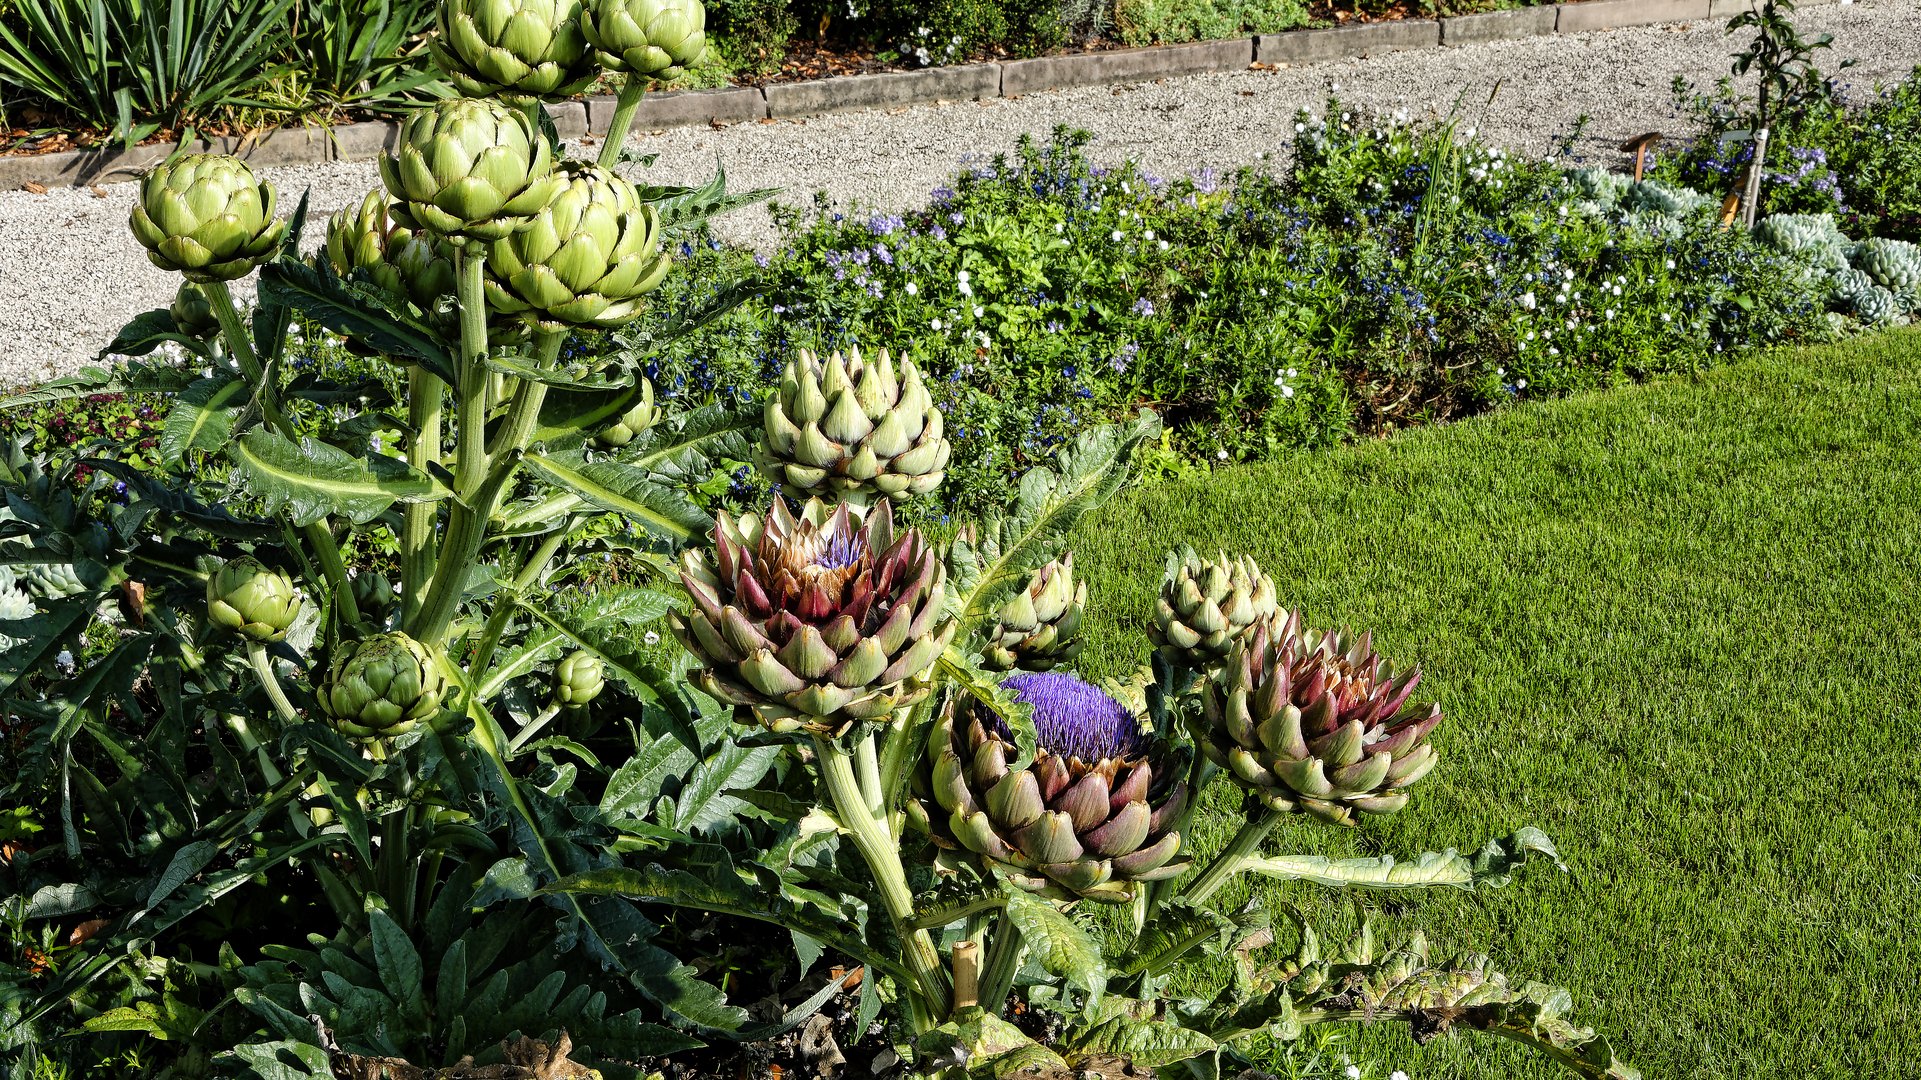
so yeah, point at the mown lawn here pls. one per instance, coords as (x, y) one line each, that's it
(1679, 628)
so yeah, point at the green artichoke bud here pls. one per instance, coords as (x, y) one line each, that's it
(382, 686)
(652, 38)
(400, 261)
(374, 595)
(192, 313)
(1038, 628)
(207, 217)
(1313, 723)
(584, 259)
(247, 598)
(815, 622)
(848, 428)
(1094, 813)
(469, 168)
(1206, 606)
(632, 422)
(578, 679)
(515, 49)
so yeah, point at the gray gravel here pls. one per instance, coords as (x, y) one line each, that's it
(71, 274)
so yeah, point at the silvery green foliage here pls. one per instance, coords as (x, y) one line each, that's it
(14, 604)
(1895, 265)
(1847, 283)
(1597, 191)
(1814, 237)
(1877, 306)
(1654, 198)
(51, 581)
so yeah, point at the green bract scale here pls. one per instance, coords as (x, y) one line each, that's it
(850, 428)
(1206, 606)
(584, 259)
(578, 678)
(632, 422)
(469, 168)
(815, 622)
(382, 686)
(516, 49)
(1039, 628)
(1092, 815)
(1313, 723)
(247, 598)
(650, 38)
(207, 217)
(191, 312)
(401, 261)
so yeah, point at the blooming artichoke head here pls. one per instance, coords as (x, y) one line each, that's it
(192, 313)
(399, 260)
(1095, 812)
(817, 621)
(1039, 627)
(469, 168)
(646, 38)
(584, 259)
(206, 216)
(632, 422)
(578, 678)
(1316, 723)
(516, 49)
(382, 686)
(1207, 605)
(849, 428)
(248, 599)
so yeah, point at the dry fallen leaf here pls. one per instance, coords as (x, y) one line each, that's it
(35, 188)
(98, 191)
(86, 930)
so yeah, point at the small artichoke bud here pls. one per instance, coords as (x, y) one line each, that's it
(632, 422)
(382, 686)
(1038, 629)
(578, 679)
(846, 427)
(656, 39)
(400, 261)
(374, 595)
(207, 217)
(1206, 606)
(191, 312)
(246, 598)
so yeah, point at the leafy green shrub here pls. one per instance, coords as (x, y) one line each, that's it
(751, 35)
(1145, 22)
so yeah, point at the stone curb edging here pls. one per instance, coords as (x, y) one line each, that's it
(962, 82)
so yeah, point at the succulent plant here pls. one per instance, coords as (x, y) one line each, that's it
(14, 604)
(1814, 237)
(1878, 307)
(382, 686)
(632, 422)
(818, 621)
(52, 581)
(1206, 606)
(584, 259)
(192, 313)
(1597, 190)
(1313, 723)
(206, 216)
(246, 598)
(1038, 628)
(1652, 198)
(470, 168)
(1895, 265)
(515, 49)
(578, 678)
(1847, 283)
(847, 427)
(1094, 813)
(649, 38)
(401, 261)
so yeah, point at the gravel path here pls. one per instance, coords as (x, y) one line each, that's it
(71, 274)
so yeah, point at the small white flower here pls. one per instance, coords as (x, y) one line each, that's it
(979, 311)
(1148, 235)
(1300, 127)
(1670, 264)
(1552, 351)
(1520, 384)
(1397, 1075)
(1287, 391)
(1665, 317)
(1060, 227)
(1291, 373)
(963, 277)
(1164, 245)
(966, 289)
(1117, 236)
(1527, 300)
(1222, 454)
(933, 324)
(651, 638)
(913, 289)
(1353, 1072)
(1616, 290)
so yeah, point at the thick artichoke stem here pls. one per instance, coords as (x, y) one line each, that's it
(625, 106)
(471, 460)
(270, 682)
(1004, 955)
(881, 852)
(424, 391)
(1228, 863)
(530, 571)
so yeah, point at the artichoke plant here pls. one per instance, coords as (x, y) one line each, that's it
(585, 259)
(578, 678)
(400, 261)
(632, 422)
(207, 217)
(1094, 813)
(1313, 723)
(1038, 628)
(246, 598)
(469, 168)
(516, 49)
(192, 314)
(1206, 606)
(850, 428)
(648, 38)
(382, 686)
(818, 621)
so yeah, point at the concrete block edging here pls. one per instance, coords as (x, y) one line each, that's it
(961, 82)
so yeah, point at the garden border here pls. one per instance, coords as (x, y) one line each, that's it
(960, 82)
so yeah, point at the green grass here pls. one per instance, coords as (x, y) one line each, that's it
(1679, 628)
